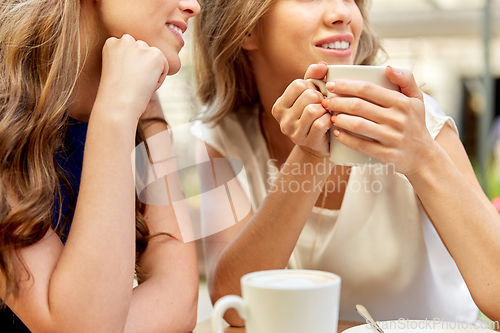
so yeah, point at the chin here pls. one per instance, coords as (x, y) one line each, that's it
(174, 65)
(173, 70)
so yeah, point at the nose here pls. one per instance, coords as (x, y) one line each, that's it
(337, 13)
(190, 7)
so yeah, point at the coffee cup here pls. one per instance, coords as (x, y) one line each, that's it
(284, 301)
(339, 153)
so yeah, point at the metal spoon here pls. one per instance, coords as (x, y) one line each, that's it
(365, 314)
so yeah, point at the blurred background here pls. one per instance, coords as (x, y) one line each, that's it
(452, 47)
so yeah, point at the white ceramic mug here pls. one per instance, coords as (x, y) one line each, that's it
(339, 153)
(284, 301)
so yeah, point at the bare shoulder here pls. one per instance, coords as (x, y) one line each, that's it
(34, 265)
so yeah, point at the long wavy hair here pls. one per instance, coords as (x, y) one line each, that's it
(223, 71)
(41, 57)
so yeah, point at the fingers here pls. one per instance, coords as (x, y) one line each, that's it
(294, 91)
(314, 118)
(362, 89)
(406, 81)
(308, 97)
(296, 120)
(317, 133)
(358, 107)
(316, 71)
(133, 70)
(359, 126)
(300, 113)
(126, 38)
(297, 87)
(377, 94)
(371, 148)
(386, 135)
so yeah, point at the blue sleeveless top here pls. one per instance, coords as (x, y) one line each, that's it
(70, 160)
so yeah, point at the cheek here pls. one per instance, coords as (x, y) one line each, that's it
(357, 27)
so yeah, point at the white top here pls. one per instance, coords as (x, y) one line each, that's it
(380, 242)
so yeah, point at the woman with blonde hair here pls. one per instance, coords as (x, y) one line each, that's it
(392, 235)
(77, 79)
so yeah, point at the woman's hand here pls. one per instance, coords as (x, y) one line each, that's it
(131, 72)
(396, 121)
(302, 117)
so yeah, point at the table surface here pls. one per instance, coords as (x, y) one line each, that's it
(204, 327)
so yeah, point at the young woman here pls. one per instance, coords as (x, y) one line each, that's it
(77, 80)
(391, 235)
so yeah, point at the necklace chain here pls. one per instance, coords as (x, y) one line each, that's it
(273, 157)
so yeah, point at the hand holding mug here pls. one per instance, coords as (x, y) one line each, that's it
(394, 120)
(301, 116)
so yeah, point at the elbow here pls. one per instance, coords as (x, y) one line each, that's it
(493, 313)
(182, 321)
(491, 309)
(191, 323)
(233, 319)
(189, 314)
(67, 327)
(220, 284)
(186, 323)
(62, 322)
(231, 316)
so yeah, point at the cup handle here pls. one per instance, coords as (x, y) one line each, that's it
(221, 306)
(320, 84)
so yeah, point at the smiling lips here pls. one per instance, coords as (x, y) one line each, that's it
(178, 29)
(337, 45)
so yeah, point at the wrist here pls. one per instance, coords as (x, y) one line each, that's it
(305, 155)
(313, 154)
(114, 116)
(120, 111)
(123, 104)
(431, 159)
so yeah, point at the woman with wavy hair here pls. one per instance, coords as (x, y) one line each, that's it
(77, 83)
(392, 235)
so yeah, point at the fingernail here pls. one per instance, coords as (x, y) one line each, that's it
(336, 132)
(394, 70)
(322, 63)
(324, 103)
(333, 118)
(330, 85)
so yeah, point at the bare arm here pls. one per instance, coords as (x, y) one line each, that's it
(267, 237)
(167, 300)
(465, 219)
(87, 285)
(76, 282)
(439, 171)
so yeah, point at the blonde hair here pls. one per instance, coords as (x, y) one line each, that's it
(40, 61)
(222, 68)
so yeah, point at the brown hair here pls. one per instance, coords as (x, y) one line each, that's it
(223, 71)
(40, 61)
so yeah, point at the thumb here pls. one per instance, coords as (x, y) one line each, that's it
(316, 71)
(406, 81)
